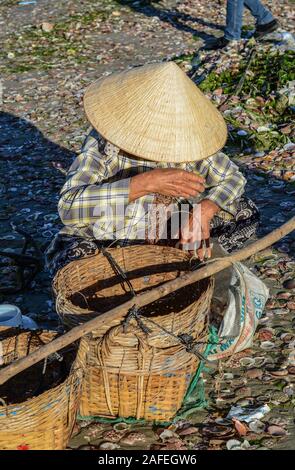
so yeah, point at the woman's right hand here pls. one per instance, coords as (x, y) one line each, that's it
(167, 181)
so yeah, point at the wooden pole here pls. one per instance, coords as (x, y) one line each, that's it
(144, 299)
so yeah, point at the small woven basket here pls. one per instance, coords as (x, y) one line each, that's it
(32, 418)
(126, 377)
(90, 286)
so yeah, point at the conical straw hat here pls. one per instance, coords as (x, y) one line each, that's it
(157, 113)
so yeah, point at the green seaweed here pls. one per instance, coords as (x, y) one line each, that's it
(269, 72)
(35, 49)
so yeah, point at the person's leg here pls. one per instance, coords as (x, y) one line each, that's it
(234, 15)
(260, 13)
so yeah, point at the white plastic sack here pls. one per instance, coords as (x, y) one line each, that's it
(247, 298)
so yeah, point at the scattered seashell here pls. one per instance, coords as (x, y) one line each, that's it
(279, 421)
(271, 272)
(85, 424)
(263, 129)
(267, 345)
(264, 320)
(86, 447)
(289, 284)
(291, 370)
(279, 397)
(170, 444)
(263, 398)
(265, 334)
(121, 426)
(242, 133)
(216, 443)
(291, 305)
(244, 391)
(47, 27)
(269, 361)
(244, 401)
(259, 154)
(254, 373)
(269, 443)
(188, 431)
(267, 378)
(247, 362)
(291, 344)
(279, 372)
(291, 359)
(272, 303)
(289, 146)
(275, 430)
(281, 311)
(133, 438)
(286, 337)
(240, 427)
(289, 390)
(233, 444)
(220, 401)
(257, 426)
(259, 361)
(217, 430)
(108, 446)
(283, 295)
(167, 434)
(113, 436)
(228, 376)
(94, 430)
(245, 445)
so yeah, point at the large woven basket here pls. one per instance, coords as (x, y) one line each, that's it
(90, 286)
(126, 376)
(45, 420)
(131, 373)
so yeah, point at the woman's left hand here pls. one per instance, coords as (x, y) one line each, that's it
(198, 231)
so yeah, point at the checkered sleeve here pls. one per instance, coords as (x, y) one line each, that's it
(89, 195)
(224, 182)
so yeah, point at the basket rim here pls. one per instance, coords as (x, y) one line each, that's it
(70, 375)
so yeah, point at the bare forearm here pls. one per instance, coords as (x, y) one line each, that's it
(138, 186)
(167, 181)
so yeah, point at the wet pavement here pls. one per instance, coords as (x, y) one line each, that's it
(42, 127)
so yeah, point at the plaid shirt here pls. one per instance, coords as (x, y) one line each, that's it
(98, 181)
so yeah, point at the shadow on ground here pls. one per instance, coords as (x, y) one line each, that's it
(174, 18)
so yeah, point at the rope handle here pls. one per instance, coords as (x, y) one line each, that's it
(191, 346)
(186, 340)
(118, 270)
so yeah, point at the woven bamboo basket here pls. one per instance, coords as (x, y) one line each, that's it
(41, 413)
(129, 373)
(128, 377)
(88, 287)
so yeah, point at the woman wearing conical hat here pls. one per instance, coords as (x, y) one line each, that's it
(155, 139)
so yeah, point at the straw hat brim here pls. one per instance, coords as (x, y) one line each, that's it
(157, 113)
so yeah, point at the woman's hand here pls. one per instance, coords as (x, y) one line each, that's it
(168, 182)
(197, 230)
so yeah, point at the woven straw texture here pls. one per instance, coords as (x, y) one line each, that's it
(87, 287)
(130, 373)
(44, 422)
(157, 113)
(128, 377)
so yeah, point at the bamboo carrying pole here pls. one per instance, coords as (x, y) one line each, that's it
(144, 299)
